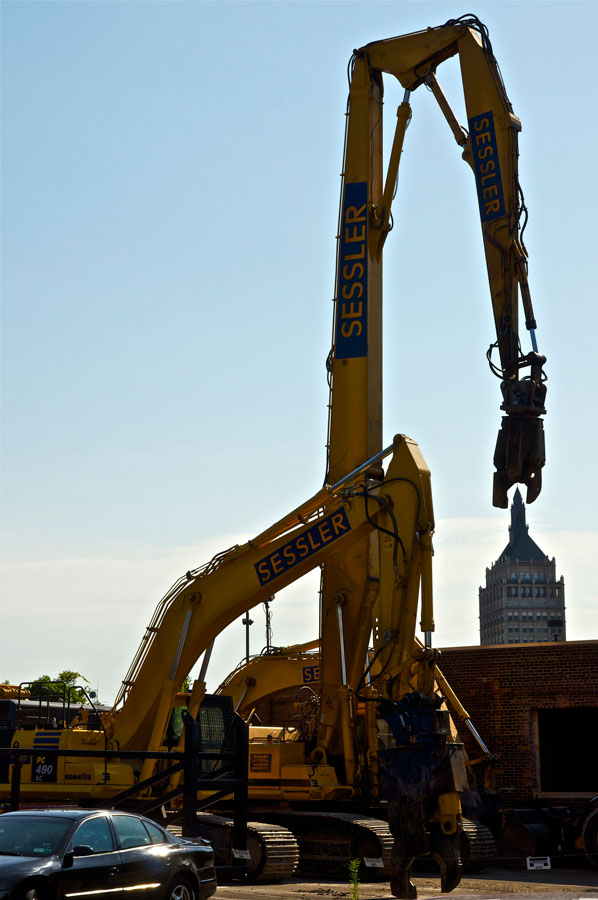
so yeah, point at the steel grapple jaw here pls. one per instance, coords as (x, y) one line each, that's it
(422, 777)
(519, 457)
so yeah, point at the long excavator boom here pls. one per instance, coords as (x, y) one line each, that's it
(490, 146)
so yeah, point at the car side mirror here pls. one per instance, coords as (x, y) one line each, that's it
(78, 850)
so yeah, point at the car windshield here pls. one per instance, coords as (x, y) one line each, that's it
(32, 835)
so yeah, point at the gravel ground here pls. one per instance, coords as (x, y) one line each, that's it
(493, 884)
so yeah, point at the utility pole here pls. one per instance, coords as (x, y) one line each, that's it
(247, 622)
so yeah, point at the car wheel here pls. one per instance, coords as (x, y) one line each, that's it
(179, 889)
(32, 892)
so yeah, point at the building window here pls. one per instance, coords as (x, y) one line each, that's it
(567, 758)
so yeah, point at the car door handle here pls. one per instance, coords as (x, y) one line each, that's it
(114, 870)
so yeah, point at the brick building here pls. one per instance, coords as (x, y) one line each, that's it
(536, 708)
(523, 601)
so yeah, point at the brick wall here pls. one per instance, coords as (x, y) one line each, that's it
(503, 687)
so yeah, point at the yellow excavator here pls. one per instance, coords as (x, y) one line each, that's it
(369, 529)
(359, 599)
(203, 602)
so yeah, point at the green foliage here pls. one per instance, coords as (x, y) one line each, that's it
(44, 688)
(186, 685)
(354, 865)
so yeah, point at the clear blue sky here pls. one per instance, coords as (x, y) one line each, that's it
(170, 181)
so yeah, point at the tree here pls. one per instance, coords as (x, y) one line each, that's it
(45, 687)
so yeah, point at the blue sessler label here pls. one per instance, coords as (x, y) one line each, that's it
(487, 167)
(351, 313)
(324, 532)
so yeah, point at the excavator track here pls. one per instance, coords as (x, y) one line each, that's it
(273, 849)
(329, 840)
(476, 846)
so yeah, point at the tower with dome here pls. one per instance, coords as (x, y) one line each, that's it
(523, 600)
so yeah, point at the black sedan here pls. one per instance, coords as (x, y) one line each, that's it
(72, 854)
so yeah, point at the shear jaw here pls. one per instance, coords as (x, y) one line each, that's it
(519, 457)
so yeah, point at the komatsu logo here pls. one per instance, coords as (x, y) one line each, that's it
(487, 167)
(351, 304)
(324, 532)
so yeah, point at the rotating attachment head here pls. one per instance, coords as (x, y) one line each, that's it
(519, 457)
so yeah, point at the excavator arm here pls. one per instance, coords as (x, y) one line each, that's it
(490, 147)
(202, 603)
